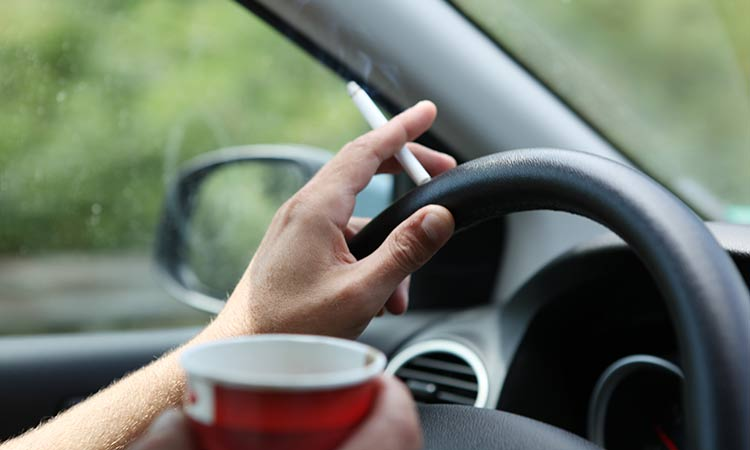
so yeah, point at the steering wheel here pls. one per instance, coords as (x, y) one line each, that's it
(707, 299)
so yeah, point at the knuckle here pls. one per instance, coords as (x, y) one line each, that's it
(363, 142)
(406, 251)
(292, 210)
(356, 146)
(365, 146)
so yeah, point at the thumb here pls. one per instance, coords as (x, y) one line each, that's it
(407, 248)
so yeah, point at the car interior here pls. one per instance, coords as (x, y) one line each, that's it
(581, 303)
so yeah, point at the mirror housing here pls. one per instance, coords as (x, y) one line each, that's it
(173, 236)
(185, 205)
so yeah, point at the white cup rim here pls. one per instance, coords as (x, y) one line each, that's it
(224, 376)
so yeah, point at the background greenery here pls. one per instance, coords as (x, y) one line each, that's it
(668, 81)
(101, 100)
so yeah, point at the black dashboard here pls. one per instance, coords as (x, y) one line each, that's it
(540, 353)
(593, 318)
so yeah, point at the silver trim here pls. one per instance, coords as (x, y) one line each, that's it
(454, 348)
(609, 380)
(487, 101)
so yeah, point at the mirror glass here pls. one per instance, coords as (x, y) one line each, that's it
(232, 208)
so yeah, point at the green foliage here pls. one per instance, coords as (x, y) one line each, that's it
(101, 100)
(667, 80)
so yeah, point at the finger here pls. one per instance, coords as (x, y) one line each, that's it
(169, 431)
(355, 225)
(393, 423)
(398, 302)
(433, 161)
(364, 155)
(405, 250)
(339, 181)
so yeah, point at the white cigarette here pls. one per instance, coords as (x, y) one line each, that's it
(376, 119)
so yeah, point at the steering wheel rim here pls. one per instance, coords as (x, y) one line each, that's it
(706, 297)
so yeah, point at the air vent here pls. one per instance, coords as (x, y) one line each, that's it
(442, 371)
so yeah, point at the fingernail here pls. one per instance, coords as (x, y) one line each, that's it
(437, 228)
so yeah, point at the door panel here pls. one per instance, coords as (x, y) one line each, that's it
(42, 375)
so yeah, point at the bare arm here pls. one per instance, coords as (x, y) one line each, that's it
(302, 279)
(115, 416)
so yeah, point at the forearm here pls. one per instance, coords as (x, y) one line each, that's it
(113, 417)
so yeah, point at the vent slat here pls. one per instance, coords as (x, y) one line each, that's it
(431, 363)
(434, 375)
(431, 377)
(421, 387)
(449, 397)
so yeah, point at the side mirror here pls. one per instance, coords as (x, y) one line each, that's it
(218, 208)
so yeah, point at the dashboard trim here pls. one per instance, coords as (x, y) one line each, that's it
(454, 348)
(608, 382)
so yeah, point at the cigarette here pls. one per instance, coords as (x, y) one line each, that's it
(376, 119)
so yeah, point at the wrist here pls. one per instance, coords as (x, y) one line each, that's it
(229, 323)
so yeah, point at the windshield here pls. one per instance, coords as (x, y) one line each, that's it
(101, 104)
(665, 81)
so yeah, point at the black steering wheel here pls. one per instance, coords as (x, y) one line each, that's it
(706, 297)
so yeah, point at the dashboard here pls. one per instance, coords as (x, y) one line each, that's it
(586, 345)
(636, 404)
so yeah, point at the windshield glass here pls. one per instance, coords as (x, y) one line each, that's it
(665, 81)
(101, 103)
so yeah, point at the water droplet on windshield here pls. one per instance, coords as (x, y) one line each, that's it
(95, 217)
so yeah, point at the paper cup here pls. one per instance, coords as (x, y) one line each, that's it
(279, 391)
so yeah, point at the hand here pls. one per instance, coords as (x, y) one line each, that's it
(392, 425)
(304, 279)
(170, 431)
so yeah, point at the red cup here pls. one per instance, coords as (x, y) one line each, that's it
(279, 391)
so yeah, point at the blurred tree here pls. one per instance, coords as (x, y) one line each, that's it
(666, 81)
(103, 99)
